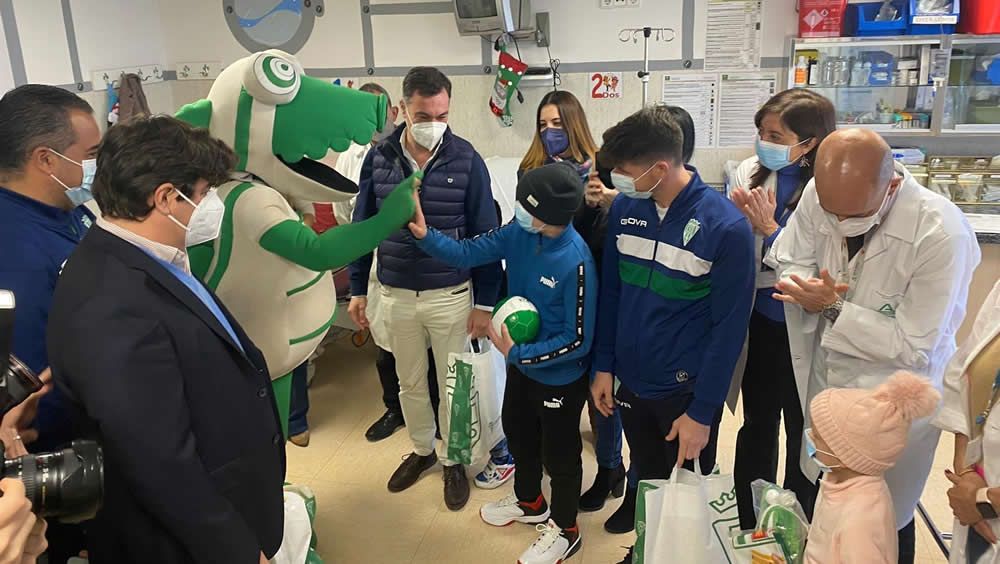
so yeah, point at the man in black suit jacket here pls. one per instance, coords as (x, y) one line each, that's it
(162, 375)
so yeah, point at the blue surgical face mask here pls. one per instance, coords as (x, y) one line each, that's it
(555, 141)
(811, 450)
(773, 156)
(626, 185)
(81, 194)
(525, 219)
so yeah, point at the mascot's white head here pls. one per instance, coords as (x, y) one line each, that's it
(281, 123)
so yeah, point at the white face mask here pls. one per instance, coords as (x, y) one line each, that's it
(427, 134)
(206, 220)
(525, 219)
(81, 194)
(856, 226)
(626, 185)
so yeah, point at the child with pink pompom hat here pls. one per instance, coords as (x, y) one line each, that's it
(856, 436)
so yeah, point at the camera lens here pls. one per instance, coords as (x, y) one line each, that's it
(68, 485)
(17, 384)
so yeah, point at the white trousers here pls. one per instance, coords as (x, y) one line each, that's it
(416, 321)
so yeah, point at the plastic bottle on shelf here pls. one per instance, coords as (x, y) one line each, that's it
(814, 72)
(801, 72)
(885, 113)
(858, 76)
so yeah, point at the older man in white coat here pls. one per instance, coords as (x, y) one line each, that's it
(874, 270)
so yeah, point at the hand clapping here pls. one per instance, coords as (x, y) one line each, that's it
(758, 205)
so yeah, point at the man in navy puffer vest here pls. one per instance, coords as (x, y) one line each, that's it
(426, 302)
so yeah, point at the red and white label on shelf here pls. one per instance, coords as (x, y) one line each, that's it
(821, 18)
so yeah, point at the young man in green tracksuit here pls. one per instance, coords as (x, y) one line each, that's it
(677, 286)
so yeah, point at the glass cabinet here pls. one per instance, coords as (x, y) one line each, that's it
(972, 99)
(886, 84)
(906, 85)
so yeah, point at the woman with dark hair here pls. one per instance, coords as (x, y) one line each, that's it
(766, 188)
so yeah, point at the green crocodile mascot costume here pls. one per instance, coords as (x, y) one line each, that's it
(271, 270)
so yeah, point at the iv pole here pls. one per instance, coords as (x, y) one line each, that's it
(633, 34)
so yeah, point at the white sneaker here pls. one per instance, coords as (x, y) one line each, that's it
(553, 545)
(494, 476)
(509, 509)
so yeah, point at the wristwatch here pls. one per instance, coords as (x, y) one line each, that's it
(983, 504)
(832, 311)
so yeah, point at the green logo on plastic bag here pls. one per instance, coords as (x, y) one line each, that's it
(463, 435)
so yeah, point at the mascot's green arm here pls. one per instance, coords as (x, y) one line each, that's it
(343, 244)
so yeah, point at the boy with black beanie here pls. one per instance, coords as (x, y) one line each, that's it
(549, 264)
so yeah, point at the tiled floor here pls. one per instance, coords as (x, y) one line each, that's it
(359, 521)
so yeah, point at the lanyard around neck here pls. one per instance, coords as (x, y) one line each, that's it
(851, 268)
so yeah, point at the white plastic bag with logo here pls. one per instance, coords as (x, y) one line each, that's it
(677, 523)
(474, 396)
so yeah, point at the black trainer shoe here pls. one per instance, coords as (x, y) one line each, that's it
(610, 482)
(456, 487)
(410, 470)
(385, 426)
(623, 520)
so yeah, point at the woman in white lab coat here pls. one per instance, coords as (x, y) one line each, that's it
(767, 188)
(971, 386)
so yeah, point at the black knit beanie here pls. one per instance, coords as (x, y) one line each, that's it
(551, 193)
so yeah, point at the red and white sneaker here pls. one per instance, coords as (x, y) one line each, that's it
(509, 509)
(554, 545)
(494, 475)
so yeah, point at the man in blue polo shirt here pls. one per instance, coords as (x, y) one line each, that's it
(48, 139)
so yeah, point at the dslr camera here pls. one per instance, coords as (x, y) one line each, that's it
(67, 485)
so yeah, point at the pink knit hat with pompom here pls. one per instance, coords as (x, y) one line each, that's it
(867, 429)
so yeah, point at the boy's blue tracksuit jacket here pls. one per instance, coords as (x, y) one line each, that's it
(676, 297)
(557, 275)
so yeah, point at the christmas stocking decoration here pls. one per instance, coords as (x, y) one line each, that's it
(508, 76)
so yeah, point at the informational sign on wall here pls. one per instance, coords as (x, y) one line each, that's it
(740, 96)
(733, 41)
(606, 85)
(699, 95)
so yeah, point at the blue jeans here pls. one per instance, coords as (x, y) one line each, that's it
(499, 454)
(609, 444)
(297, 422)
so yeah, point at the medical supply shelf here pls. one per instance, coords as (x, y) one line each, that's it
(937, 85)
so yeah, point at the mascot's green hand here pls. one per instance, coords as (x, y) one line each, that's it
(343, 244)
(399, 207)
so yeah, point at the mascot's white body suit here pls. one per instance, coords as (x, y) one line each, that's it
(270, 270)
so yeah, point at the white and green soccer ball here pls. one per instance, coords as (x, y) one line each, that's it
(521, 318)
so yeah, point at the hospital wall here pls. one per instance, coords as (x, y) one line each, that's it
(583, 36)
(111, 34)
